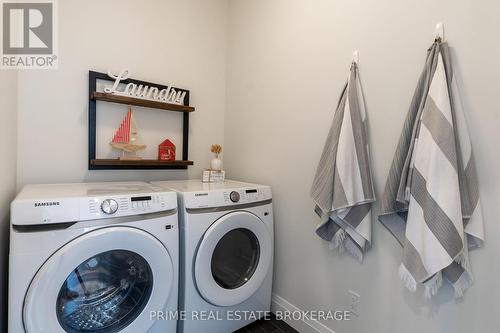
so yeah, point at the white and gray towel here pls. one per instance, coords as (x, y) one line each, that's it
(431, 199)
(342, 188)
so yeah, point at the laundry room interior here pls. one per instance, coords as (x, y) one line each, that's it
(294, 114)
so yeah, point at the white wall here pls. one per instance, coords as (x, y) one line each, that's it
(287, 62)
(8, 101)
(179, 42)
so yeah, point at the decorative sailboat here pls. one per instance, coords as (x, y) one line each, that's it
(127, 138)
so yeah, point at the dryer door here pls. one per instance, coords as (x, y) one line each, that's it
(105, 281)
(233, 259)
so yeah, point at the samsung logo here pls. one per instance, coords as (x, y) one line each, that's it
(45, 204)
(200, 194)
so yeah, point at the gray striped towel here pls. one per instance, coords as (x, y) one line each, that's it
(342, 188)
(431, 199)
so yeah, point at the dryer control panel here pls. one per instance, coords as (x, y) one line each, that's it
(246, 196)
(227, 197)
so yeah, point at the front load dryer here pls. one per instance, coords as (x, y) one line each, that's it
(226, 264)
(96, 257)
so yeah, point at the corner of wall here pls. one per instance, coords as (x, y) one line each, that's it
(8, 177)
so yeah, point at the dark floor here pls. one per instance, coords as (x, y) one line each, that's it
(267, 326)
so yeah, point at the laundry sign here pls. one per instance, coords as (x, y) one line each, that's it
(168, 95)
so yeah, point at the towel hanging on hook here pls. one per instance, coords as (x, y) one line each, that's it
(342, 188)
(431, 200)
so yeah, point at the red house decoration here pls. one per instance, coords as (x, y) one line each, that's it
(166, 151)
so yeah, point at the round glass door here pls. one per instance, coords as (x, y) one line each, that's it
(105, 293)
(105, 281)
(235, 258)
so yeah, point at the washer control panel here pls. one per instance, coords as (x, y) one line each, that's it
(70, 203)
(104, 207)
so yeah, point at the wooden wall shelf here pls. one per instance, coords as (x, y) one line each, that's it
(111, 164)
(100, 96)
(138, 164)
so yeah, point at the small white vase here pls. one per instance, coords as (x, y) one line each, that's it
(216, 164)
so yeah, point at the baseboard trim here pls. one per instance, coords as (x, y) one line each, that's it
(305, 325)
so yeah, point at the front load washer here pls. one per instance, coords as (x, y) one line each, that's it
(96, 257)
(226, 264)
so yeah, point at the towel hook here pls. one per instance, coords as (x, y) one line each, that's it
(355, 57)
(439, 32)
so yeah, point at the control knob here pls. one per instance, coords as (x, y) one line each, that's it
(109, 206)
(234, 196)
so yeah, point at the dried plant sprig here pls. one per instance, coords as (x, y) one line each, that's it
(216, 149)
